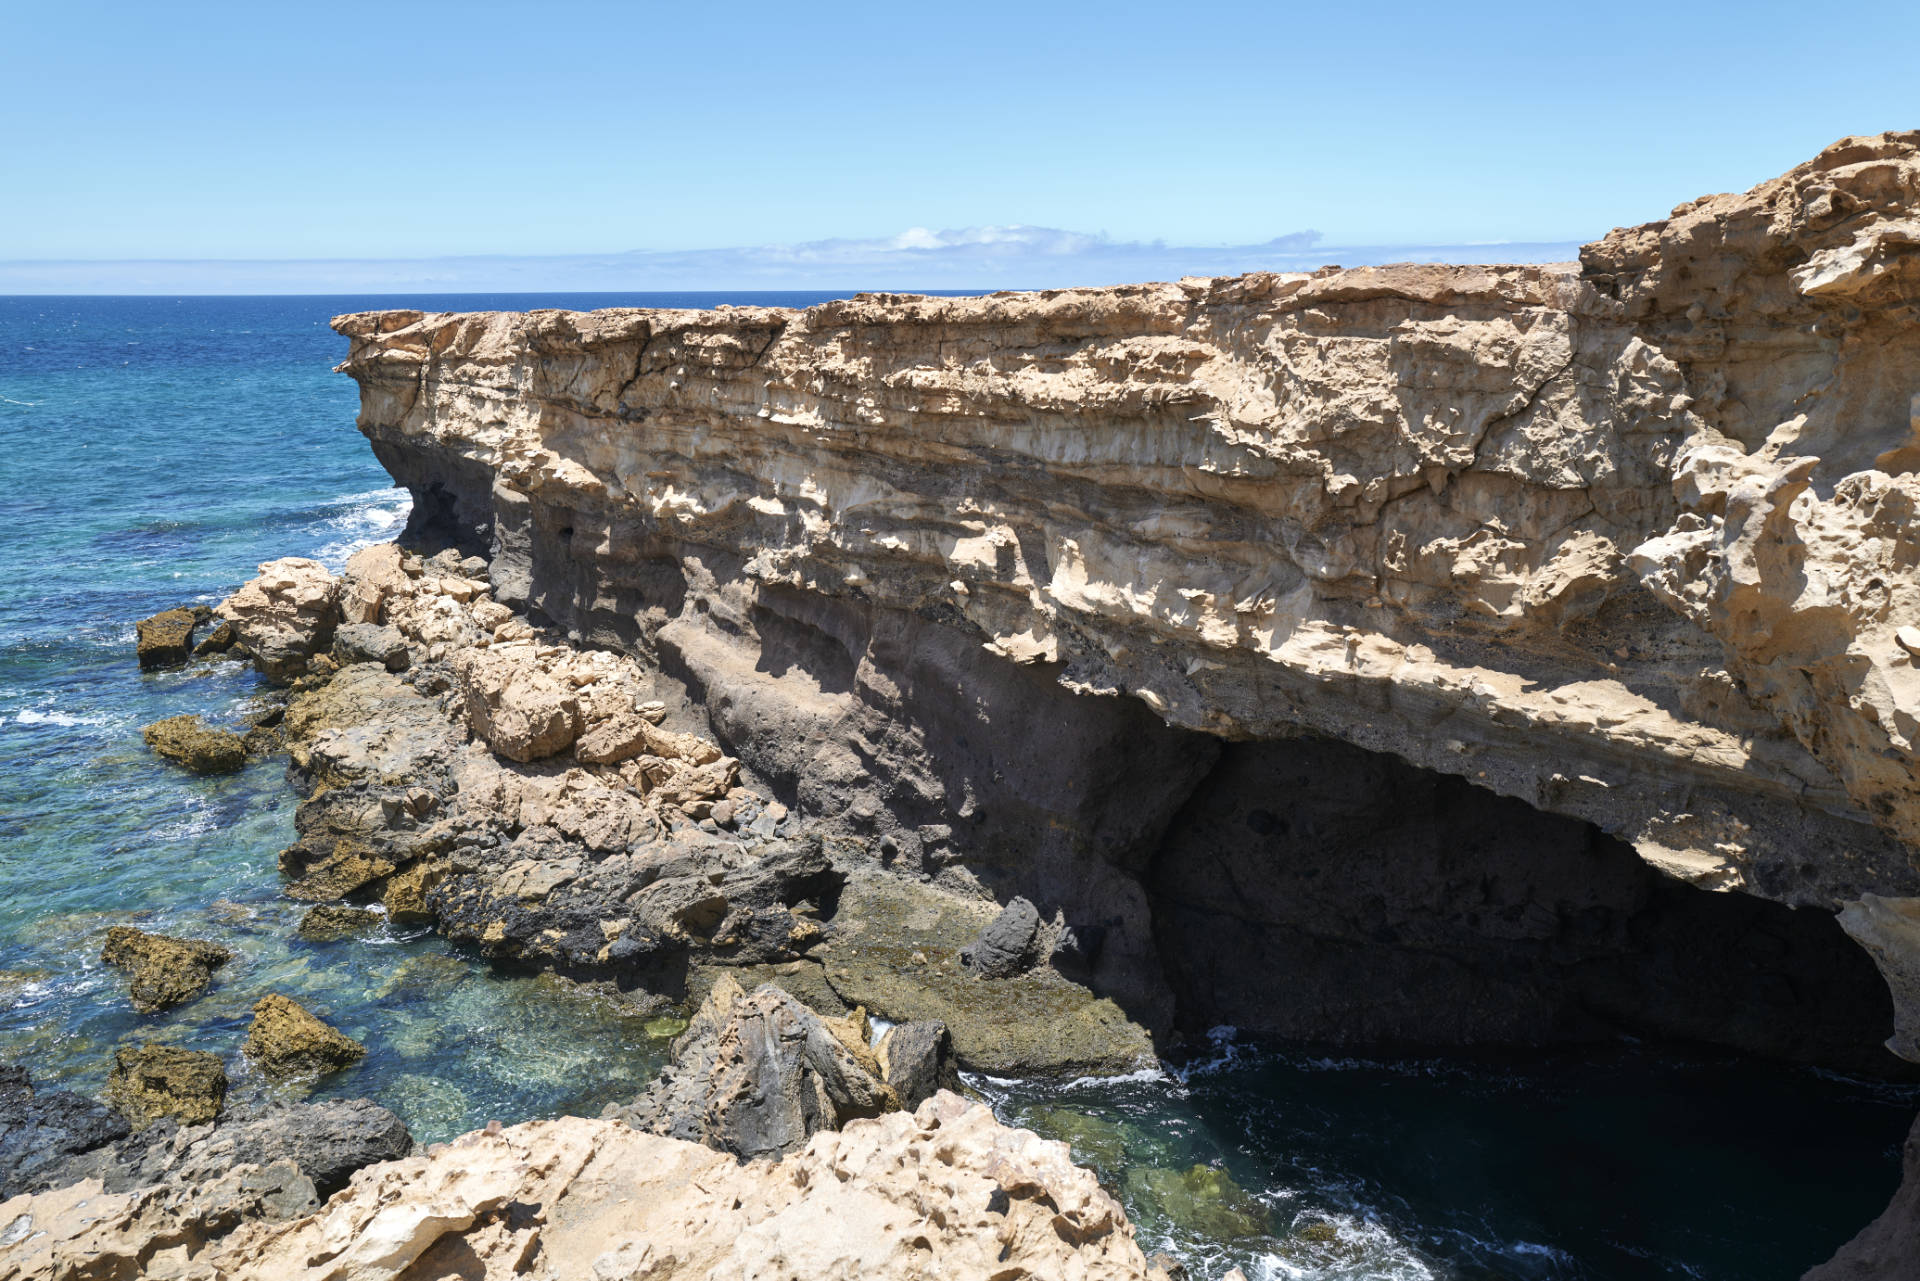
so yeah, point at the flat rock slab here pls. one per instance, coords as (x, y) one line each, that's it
(190, 741)
(1033, 1024)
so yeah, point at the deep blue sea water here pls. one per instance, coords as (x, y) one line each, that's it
(154, 450)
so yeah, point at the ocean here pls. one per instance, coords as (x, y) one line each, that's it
(154, 450)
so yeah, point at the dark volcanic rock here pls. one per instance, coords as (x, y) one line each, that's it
(165, 971)
(917, 1061)
(328, 1140)
(370, 643)
(189, 741)
(756, 1075)
(1006, 947)
(165, 640)
(149, 1082)
(53, 1138)
(39, 1131)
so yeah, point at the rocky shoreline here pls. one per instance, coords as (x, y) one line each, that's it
(1402, 657)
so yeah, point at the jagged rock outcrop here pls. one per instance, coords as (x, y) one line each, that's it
(759, 1074)
(287, 1039)
(944, 1190)
(163, 971)
(1632, 541)
(631, 853)
(285, 616)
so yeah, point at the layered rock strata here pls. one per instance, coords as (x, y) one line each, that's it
(539, 800)
(979, 585)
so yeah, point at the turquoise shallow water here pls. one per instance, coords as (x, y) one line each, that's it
(152, 451)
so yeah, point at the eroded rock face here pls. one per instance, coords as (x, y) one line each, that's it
(759, 1074)
(189, 741)
(163, 971)
(885, 1199)
(287, 1039)
(286, 615)
(151, 1082)
(1631, 542)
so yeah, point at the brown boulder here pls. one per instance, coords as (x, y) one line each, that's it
(329, 922)
(166, 971)
(165, 640)
(189, 741)
(285, 1040)
(153, 1081)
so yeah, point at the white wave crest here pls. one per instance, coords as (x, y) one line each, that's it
(65, 720)
(371, 517)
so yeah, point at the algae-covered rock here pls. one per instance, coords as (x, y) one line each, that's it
(405, 895)
(1201, 1199)
(164, 640)
(165, 971)
(894, 951)
(218, 641)
(190, 741)
(329, 922)
(153, 1081)
(286, 1040)
(1096, 1141)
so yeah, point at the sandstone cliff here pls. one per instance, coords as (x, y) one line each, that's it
(1631, 541)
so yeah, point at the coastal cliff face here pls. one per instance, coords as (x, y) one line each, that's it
(983, 585)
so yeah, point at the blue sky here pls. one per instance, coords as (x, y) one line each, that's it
(542, 138)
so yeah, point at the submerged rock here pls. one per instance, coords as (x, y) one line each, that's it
(190, 741)
(1202, 1200)
(153, 1081)
(164, 640)
(329, 922)
(286, 1040)
(165, 971)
